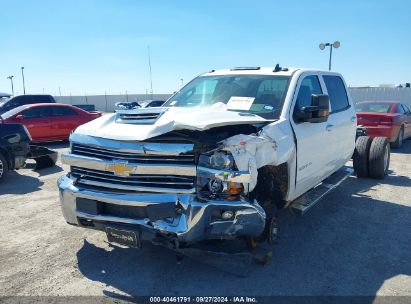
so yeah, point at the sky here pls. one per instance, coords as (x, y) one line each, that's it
(97, 46)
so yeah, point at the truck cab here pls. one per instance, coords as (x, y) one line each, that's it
(214, 162)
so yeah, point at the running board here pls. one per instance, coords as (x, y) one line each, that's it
(313, 196)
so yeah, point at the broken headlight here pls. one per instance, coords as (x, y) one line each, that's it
(218, 160)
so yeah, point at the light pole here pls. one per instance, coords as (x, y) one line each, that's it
(182, 82)
(22, 75)
(11, 80)
(336, 45)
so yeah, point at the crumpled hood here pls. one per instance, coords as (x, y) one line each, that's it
(174, 118)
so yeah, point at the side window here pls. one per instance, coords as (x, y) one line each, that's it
(407, 110)
(400, 109)
(62, 111)
(337, 93)
(310, 85)
(36, 112)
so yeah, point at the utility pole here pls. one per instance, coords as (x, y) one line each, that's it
(149, 65)
(12, 86)
(24, 85)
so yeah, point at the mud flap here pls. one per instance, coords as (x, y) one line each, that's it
(43, 157)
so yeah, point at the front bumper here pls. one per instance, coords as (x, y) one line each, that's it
(194, 220)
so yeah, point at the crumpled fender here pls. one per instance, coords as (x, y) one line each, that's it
(274, 145)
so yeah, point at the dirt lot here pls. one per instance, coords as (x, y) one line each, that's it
(357, 241)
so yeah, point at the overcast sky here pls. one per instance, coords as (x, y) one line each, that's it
(93, 46)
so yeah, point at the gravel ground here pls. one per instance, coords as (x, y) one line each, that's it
(356, 241)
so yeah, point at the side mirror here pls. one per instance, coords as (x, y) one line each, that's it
(19, 117)
(317, 112)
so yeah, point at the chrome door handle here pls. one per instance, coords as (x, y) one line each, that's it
(329, 128)
(353, 119)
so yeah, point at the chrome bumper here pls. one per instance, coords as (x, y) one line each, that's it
(194, 222)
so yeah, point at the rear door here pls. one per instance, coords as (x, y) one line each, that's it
(313, 149)
(37, 122)
(63, 120)
(342, 122)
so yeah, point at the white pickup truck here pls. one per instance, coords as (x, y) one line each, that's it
(217, 159)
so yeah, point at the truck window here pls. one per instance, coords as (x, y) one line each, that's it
(310, 85)
(337, 93)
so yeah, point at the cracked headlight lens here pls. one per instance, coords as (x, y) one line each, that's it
(218, 160)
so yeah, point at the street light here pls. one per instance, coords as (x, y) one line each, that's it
(11, 80)
(336, 45)
(22, 75)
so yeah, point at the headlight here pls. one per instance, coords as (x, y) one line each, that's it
(218, 160)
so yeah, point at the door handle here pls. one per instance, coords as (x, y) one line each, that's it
(329, 128)
(353, 119)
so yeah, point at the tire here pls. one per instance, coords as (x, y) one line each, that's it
(361, 155)
(400, 139)
(379, 158)
(270, 233)
(3, 167)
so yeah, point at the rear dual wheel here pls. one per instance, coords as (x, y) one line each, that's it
(371, 157)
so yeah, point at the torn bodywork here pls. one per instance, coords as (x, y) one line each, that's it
(44, 157)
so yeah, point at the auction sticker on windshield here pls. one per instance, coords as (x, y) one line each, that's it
(240, 103)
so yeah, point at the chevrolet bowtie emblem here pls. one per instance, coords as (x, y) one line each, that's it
(120, 168)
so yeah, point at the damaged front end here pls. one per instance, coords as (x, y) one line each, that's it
(184, 187)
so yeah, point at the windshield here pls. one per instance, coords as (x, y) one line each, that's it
(257, 94)
(12, 112)
(378, 107)
(3, 100)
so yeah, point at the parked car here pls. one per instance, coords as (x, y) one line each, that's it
(127, 105)
(20, 100)
(151, 103)
(389, 119)
(15, 149)
(86, 107)
(216, 164)
(49, 122)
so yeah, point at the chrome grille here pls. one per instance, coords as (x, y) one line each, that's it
(134, 182)
(110, 154)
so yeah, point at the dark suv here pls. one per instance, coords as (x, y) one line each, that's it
(21, 100)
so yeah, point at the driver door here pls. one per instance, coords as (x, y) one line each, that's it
(312, 139)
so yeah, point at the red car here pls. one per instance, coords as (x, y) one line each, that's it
(385, 118)
(48, 122)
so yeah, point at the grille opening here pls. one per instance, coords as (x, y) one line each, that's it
(108, 154)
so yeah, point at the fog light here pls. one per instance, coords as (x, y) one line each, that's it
(227, 215)
(215, 186)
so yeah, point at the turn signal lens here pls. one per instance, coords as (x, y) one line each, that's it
(235, 188)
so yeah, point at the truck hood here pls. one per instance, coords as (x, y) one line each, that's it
(142, 124)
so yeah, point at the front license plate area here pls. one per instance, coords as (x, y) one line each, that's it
(123, 237)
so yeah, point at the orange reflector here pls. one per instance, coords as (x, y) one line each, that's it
(235, 188)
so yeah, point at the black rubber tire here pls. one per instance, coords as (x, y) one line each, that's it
(377, 167)
(361, 155)
(271, 224)
(4, 166)
(400, 139)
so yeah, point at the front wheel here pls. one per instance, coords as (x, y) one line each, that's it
(3, 167)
